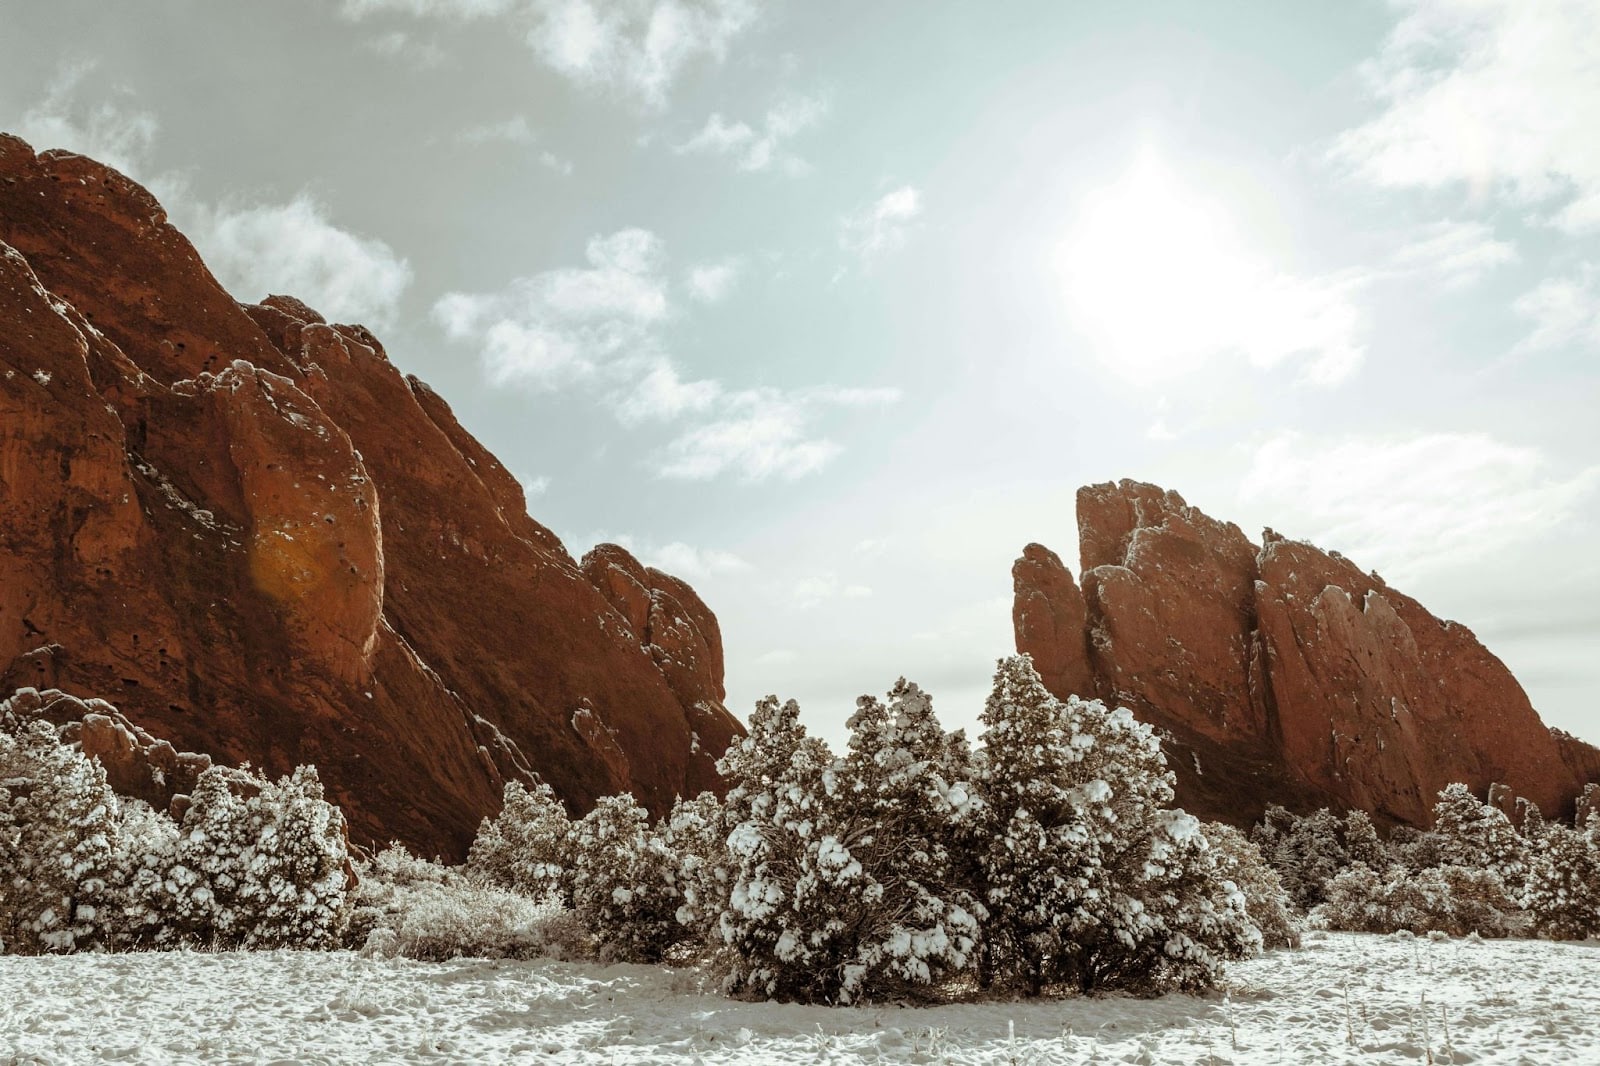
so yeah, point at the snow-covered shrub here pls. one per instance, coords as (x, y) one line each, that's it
(60, 855)
(696, 834)
(1306, 850)
(774, 774)
(1415, 849)
(421, 910)
(1447, 899)
(624, 882)
(259, 864)
(1239, 860)
(1477, 836)
(842, 880)
(1563, 890)
(1091, 880)
(524, 847)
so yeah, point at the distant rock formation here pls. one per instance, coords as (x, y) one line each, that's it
(249, 531)
(1281, 673)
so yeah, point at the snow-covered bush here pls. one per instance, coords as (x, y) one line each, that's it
(524, 847)
(1563, 890)
(1090, 879)
(1309, 850)
(696, 834)
(624, 882)
(1413, 848)
(1446, 899)
(1475, 835)
(420, 910)
(60, 856)
(260, 864)
(841, 878)
(1239, 860)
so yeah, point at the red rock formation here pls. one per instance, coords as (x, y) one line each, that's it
(250, 531)
(1282, 673)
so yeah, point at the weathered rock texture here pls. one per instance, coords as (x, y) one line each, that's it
(248, 530)
(1281, 673)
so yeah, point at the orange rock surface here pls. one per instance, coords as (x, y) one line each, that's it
(1281, 673)
(261, 541)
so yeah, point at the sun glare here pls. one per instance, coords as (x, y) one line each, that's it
(1154, 276)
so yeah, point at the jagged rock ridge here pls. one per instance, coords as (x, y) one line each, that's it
(248, 530)
(1280, 672)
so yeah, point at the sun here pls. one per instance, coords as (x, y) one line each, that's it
(1153, 274)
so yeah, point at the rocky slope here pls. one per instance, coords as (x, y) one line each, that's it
(1282, 673)
(248, 530)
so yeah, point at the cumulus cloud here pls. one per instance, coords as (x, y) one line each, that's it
(762, 434)
(117, 135)
(1564, 311)
(814, 591)
(253, 249)
(761, 147)
(515, 131)
(600, 326)
(676, 557)
(1457, 253)
(295, 248)
(710, 283)
(548, 330)
(1498, 97)
(1407, 504)
(636, 48)
(405, 48)
(882, 225)
(534, 487)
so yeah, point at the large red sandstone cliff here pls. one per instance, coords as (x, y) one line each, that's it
(248, 530)
(1280, 672)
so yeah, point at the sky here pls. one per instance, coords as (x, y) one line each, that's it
(831, 307)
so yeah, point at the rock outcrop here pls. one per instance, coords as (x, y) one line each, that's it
(248, 530)
(1279, 672)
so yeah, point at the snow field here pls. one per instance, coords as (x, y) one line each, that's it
(1344, 998)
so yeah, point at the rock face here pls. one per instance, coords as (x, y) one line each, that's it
(1281, 673)
(248, 530)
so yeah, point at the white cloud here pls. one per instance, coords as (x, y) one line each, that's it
(637, 47)
(882, 225)
(517, 132)
(456, 9)
(514, 130)
(397, 44)
(753, 149)
(710, 283)
(1494, 96)
(1457, 253)
(814, 591)
(600, 326)
(533, 487)
(1564, 311)
(568, 324)
(758, 434)
(762, 434)
(661, 394)
(677, 558)
(253, 250)
(1406, 504)
(294, 248)
(1158, 282)
(115, 135)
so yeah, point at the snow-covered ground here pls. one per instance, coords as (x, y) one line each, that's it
(1344, 998)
